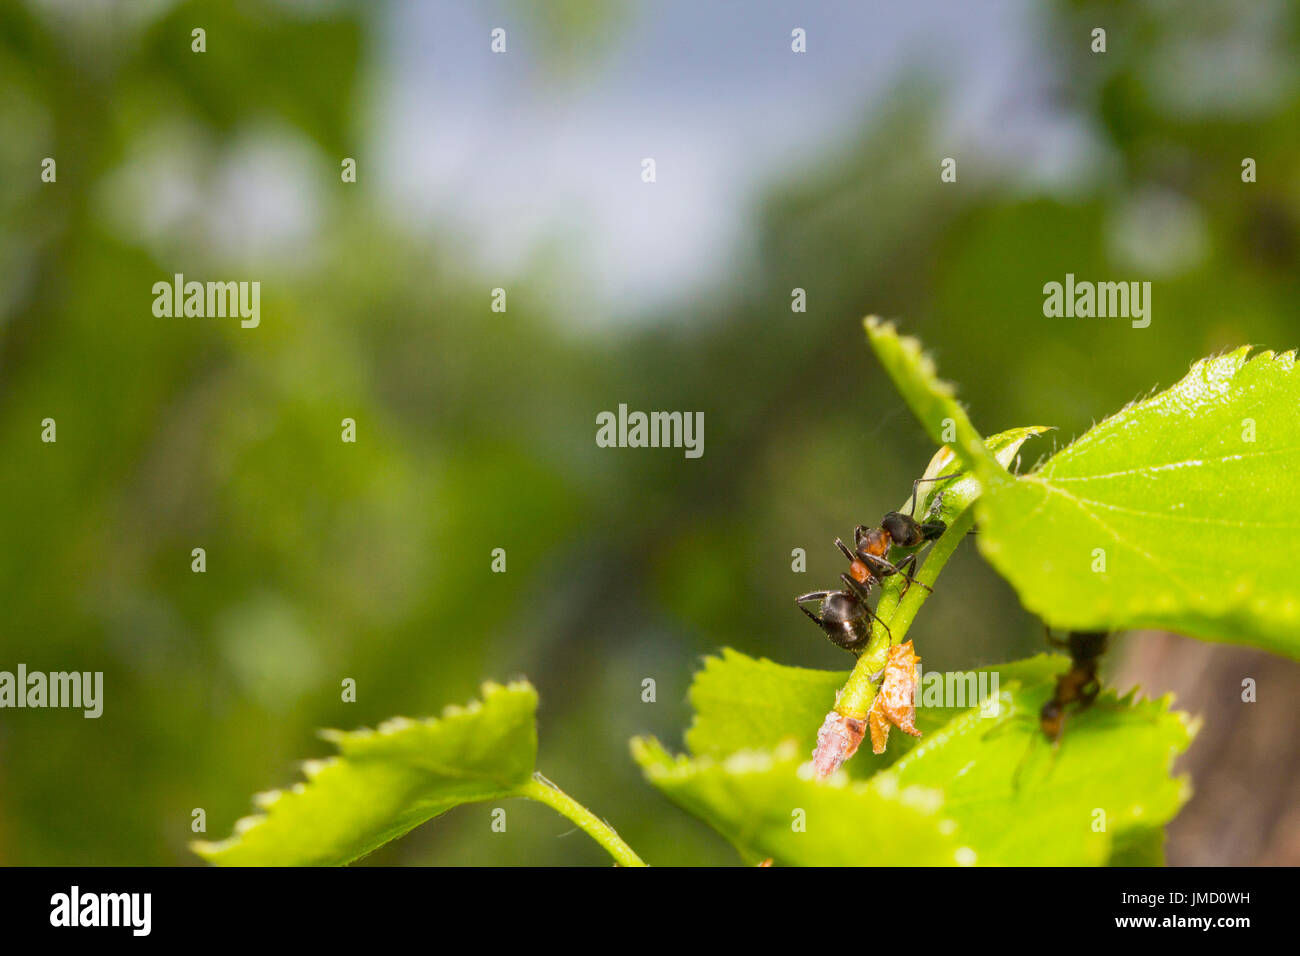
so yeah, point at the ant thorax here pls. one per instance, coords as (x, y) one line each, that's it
(875, 542)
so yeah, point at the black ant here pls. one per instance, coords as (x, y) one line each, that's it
(1078, 685)
(845, 615)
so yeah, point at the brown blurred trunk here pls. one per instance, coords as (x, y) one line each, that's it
(1244, 763)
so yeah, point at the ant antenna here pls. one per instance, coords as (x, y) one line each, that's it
(912, 510)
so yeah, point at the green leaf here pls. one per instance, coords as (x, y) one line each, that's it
(745, 704)
(960, 491)
(1199, 528)
(385, 782)
(1188, 497)
(766, 807)
(1015, 798)
(931, 399)
(1021, 802)
(952, 497)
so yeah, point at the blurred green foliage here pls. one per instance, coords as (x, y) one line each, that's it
(371, 561)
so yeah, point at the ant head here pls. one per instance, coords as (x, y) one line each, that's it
(903, 529)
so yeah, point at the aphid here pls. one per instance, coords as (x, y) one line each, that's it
(895, 703)
(1079, 685)
(845, 616)
(837, 741)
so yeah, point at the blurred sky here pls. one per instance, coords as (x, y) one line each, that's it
(532, 159)
(560, 165)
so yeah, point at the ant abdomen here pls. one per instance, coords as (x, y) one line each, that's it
(1049, 718)
(840, 608)
(842, 616)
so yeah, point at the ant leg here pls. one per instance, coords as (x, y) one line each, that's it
(1033, 743)
(1058, 642)
(1002, 722)
(912, 510)
(1020, 767)
(861, 591)
(811, 616)
(859, 533)
(883, 568)
(811, 596)
(906, 567)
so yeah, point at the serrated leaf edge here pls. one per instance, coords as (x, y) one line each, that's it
(312, 768)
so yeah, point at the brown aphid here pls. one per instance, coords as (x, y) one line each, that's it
(895, 703)
(837, 741)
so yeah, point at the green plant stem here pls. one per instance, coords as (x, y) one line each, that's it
(860, 690)
(543, 791)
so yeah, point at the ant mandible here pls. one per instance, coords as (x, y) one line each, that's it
(845, 616)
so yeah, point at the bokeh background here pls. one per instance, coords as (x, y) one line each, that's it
(476, 429)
